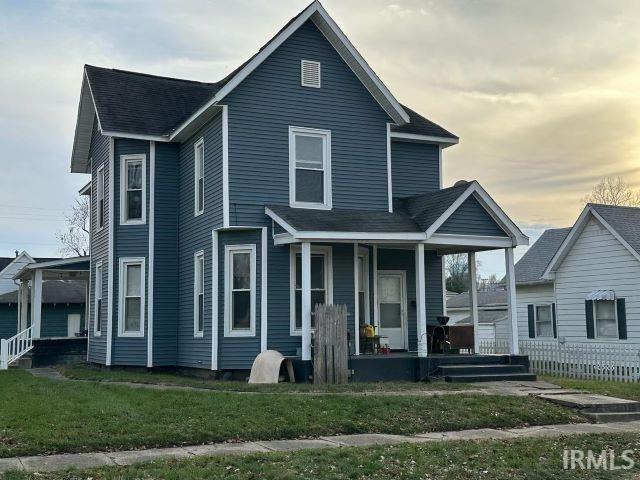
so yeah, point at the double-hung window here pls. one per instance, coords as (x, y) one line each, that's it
(309, 168)
(131, 307)
(198, 294)
(363, 288)
(240, 290)
(544, 321)
(199, 177)
(100, 198)
(133, 189)
(321, 291)
(97, 303)
(605, 318)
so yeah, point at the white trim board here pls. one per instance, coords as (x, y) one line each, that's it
(152, 194)
(444, 142)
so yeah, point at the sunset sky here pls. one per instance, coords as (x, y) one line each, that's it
(544, 95)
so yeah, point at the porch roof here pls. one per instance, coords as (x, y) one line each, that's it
(74, 268)
(54, 291)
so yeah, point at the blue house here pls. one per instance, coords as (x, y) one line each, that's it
(222, 212)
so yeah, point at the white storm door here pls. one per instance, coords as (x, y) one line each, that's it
(73, 324)
(392, 309)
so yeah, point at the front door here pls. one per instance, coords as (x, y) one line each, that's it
(73, 324)
(392, 309)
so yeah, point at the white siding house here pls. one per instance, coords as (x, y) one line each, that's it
(581, 284)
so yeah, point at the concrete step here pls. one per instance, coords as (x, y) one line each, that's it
(23, 362)
(602, 417)
(593, 403)
(491, 377)
(448, 370)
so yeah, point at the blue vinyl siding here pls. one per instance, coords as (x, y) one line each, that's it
(405, 260)
(99, 154)
(165, 291)
(271, 99)
(237, 352)
(415, 168)
(8, 320)
(471, 219)
(194, 234)
(130, 241)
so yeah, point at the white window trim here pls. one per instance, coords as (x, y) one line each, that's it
(229, 250)
(315, 250)
(123, 182)
(196, 176)
(99, 172)
(614, 337)
(196, 311)
(535, 318)
(310, 62)
(121, 288)
(96, 332)
(328, 201)
(364, 254)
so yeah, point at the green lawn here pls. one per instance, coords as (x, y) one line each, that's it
(615, 389)
(500, 460)
(43, 416)
(86, 372)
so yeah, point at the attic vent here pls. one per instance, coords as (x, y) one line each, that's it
(310, 73)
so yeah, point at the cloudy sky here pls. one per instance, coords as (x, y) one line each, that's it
(544, 95)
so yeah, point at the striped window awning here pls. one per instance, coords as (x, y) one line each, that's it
(601, 295)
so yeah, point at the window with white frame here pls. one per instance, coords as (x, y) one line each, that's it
(198, 294)
(100, 198)
(133, 189)
(240, 290)
(131, 306)
(321, 291)
(97, 301)
(544, 321)
(363, 288)
(605, 318)
(309, 168)
(199, 176)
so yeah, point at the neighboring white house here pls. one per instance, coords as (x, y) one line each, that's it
(492, 314)
(582, 284)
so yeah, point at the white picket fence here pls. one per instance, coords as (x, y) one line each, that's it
(592, 361)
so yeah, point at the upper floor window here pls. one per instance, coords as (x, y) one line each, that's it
(133, 182)
(605, 318)
(131, 306)
(100, 198)
(310, 168)
(198, 295)
(240, 290)
(310, 73)
(199, 177)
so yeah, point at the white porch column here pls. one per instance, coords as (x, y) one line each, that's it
(511, 299)
(473, 299)
(421, 304)
(306, 301)
(24, 304)
(36, 303)
(376, 313)
(356, 304)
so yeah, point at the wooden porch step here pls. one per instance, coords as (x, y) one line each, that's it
(453, 370)
(491, 377)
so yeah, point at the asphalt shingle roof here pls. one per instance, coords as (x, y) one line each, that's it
(624, 220)
(535, 261)
(420, 125)
(55, 291)
(496, 297)
(4, 261)
(485, 316)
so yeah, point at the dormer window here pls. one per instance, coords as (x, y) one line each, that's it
(309, 168)
(310, 73)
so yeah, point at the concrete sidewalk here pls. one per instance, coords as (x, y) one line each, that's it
(100, 459)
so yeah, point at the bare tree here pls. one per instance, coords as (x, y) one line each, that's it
(74, 240)
(613, 191)
(457, 271)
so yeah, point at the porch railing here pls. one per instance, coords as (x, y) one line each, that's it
(589, 361)
(13, 348)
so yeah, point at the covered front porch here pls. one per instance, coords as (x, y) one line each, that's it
(396, 274)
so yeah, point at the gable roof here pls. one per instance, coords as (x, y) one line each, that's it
(419, 126)
(5, 261)
(622, 222)
(534, 262)
(137, 105)
(485, 299)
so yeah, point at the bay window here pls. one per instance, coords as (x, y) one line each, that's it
(131, 305)
(198, 294)
(133, 189)
(199, 177)
(240, 290)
